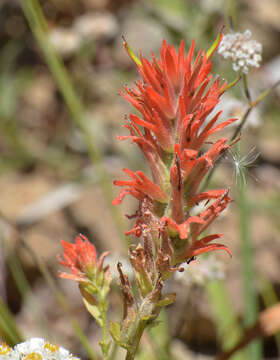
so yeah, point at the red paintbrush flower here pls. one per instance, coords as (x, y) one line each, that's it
(176, 99)
(80, 258)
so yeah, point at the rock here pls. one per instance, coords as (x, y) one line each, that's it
(65, 41)
(96, 26)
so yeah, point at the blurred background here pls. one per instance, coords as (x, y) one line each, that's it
(61, 67)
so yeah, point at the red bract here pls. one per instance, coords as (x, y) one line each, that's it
(176, 99)
(80, 258)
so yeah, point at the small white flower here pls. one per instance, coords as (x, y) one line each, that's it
(35, 349)
(30, 346)
(7, 353)
(243, 51)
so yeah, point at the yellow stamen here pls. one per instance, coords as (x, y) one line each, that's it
(5, 349)
(33, 356)
(51, 347)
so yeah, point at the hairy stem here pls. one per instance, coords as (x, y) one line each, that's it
(135, 340)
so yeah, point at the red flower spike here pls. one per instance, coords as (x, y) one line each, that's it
(175, 99)
(80, 258)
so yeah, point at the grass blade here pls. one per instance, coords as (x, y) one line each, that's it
(229, 329)
(251, 311)
(8, 327)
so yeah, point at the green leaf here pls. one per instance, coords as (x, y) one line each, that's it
(8, 326)
(169, 299)
(105, 347)
(214, 46)
(94, 311)
(115, 331)
(134, 57)
(87, 295)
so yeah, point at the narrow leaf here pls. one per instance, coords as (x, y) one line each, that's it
(134, 57)
(169, 299)
(214, 46)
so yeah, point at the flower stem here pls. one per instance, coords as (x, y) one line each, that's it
(135, 340)
(104, 335)
(246, 89)
(104, 344)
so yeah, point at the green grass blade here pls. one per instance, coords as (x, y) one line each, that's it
(229, 329)
(160, 337)
(8, 327)
(251, 311)
(26, 292)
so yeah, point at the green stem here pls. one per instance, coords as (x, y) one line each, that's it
(105, 347)
(135, 340)
(246, 89)
(232, 14)
(114, 349)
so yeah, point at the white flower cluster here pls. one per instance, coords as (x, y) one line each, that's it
(243, 51)
(35, 349)
(199, 272)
